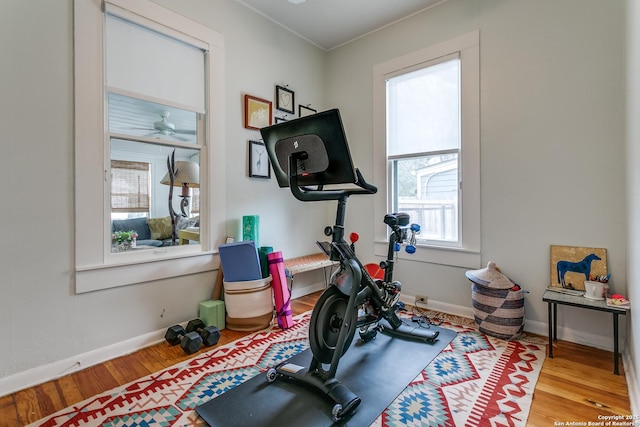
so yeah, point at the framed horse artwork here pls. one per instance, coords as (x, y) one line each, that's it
(572, 265)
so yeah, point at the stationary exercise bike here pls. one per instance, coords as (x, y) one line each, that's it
(314, 151)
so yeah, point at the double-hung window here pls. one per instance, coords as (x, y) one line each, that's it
(149, 86)
(427, 148)
(423, 147)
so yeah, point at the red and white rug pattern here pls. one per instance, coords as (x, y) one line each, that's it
(476, 381)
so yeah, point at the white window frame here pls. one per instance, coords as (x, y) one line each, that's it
(467, 254)
(95, 267)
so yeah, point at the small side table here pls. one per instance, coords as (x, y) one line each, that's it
(553, 298)
(185, 235)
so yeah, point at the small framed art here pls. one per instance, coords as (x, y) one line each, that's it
(304, 111)
(259, 166)
(257, 112)
(285, 100)
(281, 120)
(572, 265)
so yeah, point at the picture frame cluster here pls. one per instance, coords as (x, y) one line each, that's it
(258, 113)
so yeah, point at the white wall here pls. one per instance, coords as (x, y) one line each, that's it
(633, 192)
(259, 56)
(553, 156)
(43, 321)
(552, 140)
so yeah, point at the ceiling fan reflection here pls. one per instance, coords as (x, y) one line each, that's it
(166, 128)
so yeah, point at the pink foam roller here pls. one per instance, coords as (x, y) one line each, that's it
(280, 290)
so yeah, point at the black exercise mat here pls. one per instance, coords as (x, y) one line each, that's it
(376, 371)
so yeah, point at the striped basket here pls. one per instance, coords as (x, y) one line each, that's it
(498, 312)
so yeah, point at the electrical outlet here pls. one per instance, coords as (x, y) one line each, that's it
(421, 299)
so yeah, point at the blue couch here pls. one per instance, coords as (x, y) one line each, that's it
(141, 226)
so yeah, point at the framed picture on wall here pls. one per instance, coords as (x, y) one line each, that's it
(257, 112)
(259, 166)
(304, 111)
(281, 120)
(572, 265)
(285, 100)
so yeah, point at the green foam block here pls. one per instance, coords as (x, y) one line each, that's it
(212, 313)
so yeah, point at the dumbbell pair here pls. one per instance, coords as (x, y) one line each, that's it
(411, 246)
(195, 335)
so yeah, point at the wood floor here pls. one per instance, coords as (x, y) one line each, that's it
(576, 385)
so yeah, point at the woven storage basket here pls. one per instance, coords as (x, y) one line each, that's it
(498, 303)
(249, 304)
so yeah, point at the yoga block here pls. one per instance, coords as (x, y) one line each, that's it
(263, 251)
(212, 313)
(240, 261)
(250, 228)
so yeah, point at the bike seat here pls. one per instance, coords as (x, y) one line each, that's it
(398, 218)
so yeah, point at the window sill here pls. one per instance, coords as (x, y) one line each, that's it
(454, 257)
(93, 278)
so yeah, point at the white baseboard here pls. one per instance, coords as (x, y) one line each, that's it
(632, 382)
(41, 374)
(51, 371)
(443, 307)
(604, 342)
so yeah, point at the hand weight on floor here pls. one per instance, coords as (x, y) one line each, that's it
(209, 334)
(190, 342)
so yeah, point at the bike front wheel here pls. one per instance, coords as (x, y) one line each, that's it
(327, 320)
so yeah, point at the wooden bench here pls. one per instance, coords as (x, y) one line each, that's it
(304, 263)
(292, 267)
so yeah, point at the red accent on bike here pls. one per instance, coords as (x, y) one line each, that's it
(354, 237)
(375, 271)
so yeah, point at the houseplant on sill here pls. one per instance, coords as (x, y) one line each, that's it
(124, 240)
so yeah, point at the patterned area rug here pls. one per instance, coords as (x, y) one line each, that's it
(476, 381)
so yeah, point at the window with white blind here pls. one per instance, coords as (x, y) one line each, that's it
(423, 147)
(153, 112)
(427, 156)
(149, 84)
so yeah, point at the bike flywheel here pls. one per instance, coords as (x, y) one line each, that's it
(327, 320)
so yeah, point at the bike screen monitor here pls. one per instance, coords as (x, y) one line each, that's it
(320, 145)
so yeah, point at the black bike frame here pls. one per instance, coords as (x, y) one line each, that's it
(340, 250)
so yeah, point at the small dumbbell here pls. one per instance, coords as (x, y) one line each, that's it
(190, 342)
(209, 334)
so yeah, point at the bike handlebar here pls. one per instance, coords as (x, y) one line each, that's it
(307, 195)
(372, 189)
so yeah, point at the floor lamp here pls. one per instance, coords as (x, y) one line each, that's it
(185, 175)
